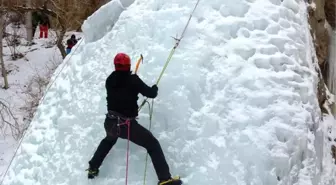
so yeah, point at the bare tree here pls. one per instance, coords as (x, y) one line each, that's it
(60, 19)
(3, 67)
(29, 25)
(65, 14)
(7, 119)
(13, 39)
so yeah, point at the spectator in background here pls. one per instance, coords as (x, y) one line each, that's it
(36, 19)
(44, 26)
(70, 43)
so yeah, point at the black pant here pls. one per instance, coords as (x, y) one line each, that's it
(33, 30)
(138, 135)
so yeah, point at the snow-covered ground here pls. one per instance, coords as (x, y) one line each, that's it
(27, 77)
(236, 106)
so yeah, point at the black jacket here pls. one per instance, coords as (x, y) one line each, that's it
(71, 43)
(45, 20)
(122, 92)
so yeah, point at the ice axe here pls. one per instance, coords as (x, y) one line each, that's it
(138, 63)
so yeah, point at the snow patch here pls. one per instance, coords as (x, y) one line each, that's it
(27, 78)
(102, 21)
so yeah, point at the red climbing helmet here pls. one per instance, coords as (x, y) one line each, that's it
(122, 62)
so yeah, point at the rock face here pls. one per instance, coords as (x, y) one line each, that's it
(322, 96)
(330, 11)
(320, 35)
(320, 12)
(333, 152)
(319, 32)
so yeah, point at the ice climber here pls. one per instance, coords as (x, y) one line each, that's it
(122, 89)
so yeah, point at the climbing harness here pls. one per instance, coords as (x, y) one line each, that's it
(177, 42)
(121, 121)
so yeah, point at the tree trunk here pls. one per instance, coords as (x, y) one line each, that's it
(59, 42)
(3, 68)
(29, 25)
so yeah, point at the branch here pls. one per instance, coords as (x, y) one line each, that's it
(55, 5)
(27, 9)
(13, 127)
(41, 9)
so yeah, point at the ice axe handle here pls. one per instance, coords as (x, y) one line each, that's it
(138, 63)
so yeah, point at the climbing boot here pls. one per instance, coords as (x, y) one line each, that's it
(92, 172)
(171, 181)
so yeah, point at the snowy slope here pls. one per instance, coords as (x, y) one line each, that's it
(38, 61)
(36, 65)
(17, 97)
(237, 104)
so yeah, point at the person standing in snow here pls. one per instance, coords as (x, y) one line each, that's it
(70, 43)
(123, 88)
(36, 19)
(44, 25)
